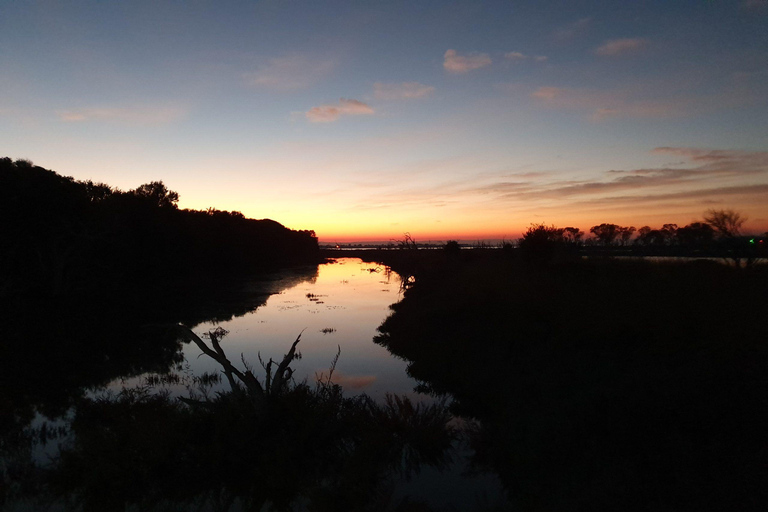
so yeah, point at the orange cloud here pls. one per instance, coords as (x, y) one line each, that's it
(617, 47)
(330, 113)
(403, 91)
(456, 63)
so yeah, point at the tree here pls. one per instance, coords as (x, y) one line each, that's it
(605, 233)
(157, 193)
(96, 191)
(540, 243)
(572, 235)
(625, 234)
(643, 235)
(669, 232)
(696, 235)
(727, 223)
(452, 247)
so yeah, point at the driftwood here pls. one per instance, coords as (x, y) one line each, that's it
(245, 382)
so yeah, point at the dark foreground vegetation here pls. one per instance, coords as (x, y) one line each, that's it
(597, 384)
(63, 237)
(268, 443)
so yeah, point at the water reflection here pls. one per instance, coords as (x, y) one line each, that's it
(54, 351)
(313, 441)
(340, 307)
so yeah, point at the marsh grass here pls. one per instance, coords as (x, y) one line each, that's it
(268, 447)
(599, 384)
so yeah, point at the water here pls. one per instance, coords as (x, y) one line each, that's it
(340, 309)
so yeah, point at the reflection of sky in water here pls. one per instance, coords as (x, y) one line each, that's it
(348, 298)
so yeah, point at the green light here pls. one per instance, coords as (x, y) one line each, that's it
(751, 240)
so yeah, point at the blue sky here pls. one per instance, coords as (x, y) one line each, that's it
(369, 119)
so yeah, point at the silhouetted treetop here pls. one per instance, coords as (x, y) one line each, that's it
(727, 223)
(157, 193)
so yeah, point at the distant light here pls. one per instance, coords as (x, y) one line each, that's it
(751, 240)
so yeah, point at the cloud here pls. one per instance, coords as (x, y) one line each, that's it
(616, 47)
(517, 56)
(330, 113)
(456, 63)
(403, 91)
(290, 73)
(514, 56)
(721, 160)
(572, 30)
(548, 93)
(132, 116)
(603, 105)
(708, 173)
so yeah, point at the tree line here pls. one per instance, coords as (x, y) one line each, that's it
(62, 236)
(719, 233)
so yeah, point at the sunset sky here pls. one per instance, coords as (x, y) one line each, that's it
(365, 120)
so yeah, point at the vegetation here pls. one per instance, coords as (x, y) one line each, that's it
(598, 384)
(269, 444)
(64, 237)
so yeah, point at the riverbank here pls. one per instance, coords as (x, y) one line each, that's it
(599, 383)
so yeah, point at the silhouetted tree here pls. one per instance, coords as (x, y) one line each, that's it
(540, 243)
(605, 234)
(669, 231)
(727, 223)
(65, 236)
(452, 248)
(157, 193)
(625, 234)
(572, 235)
(407, 243)
(97, 191)
(696, 235)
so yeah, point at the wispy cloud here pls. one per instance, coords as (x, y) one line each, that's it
(603, 105)
(133, 116)
(616, 47)
(708, 173)
(518, 56)
(402, 91)
(455, 63)
(572, 30)
(330, 113)
(514, 56)
(290, 73)
(705, 176)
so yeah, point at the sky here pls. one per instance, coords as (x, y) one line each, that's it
(365, 120)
